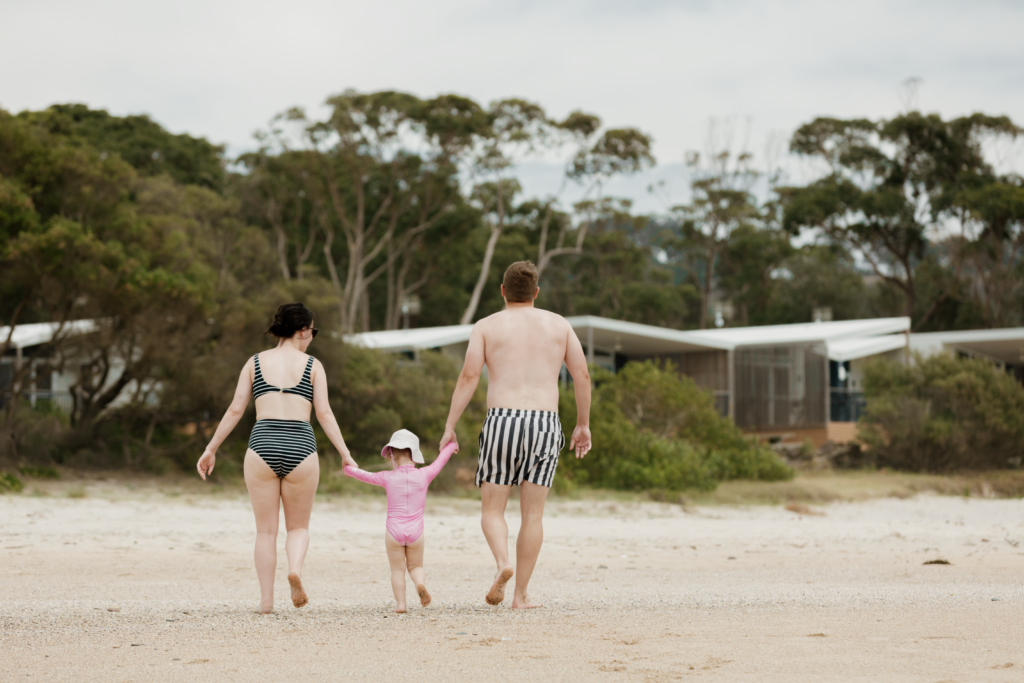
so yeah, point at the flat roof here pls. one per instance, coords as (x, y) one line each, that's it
(852, 349)
(638, 339)
(33, 334)
(804, 332)
(411, 340)
(1005, 345)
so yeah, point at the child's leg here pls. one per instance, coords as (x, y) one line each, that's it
(414, 560)
(396, 558)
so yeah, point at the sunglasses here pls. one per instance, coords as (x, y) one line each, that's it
(315, 330)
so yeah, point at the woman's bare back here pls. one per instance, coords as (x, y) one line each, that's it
(282, 368)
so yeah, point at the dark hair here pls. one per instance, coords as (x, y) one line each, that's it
(289, 319)
(520, 282)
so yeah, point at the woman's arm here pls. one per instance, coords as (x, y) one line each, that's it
(375, 478)
(434, 468)
(325, 415)
(243, 392)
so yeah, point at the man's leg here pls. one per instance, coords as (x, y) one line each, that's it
(531, 535)
(494, 499)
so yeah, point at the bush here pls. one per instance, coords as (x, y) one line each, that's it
(942, 414)
(9, 482)
(654, 429)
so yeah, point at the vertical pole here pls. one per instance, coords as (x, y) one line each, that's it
(732, 383)
(16, 386)
(590, 346)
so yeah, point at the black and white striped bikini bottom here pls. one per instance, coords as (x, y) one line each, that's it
(283, 444)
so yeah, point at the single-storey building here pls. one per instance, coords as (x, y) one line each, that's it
(792, 382)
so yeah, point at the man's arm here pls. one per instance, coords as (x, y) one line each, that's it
(576, 364)
(469, 378)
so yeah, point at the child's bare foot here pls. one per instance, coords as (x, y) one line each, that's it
(299, 598)
(424, 595)
(524, 603)
(497, 593)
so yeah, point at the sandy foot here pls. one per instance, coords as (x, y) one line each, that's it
(525, 604)
(497, 593)
(421, 590)
(299, 598)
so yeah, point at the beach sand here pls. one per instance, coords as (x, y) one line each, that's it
(122, 586)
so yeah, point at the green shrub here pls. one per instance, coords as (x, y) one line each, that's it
(942, 414)
(39, 472)
(9, 482)
(654, 429)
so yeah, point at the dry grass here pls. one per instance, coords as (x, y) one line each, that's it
(807, 488)
(825, 487)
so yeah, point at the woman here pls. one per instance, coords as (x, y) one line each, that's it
(281, 465)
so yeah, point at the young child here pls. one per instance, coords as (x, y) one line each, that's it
(406, 487)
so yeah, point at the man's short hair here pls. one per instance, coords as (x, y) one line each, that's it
(520, 282)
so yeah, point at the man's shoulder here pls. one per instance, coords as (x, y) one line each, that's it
(499, 319)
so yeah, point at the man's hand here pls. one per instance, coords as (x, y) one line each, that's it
(580, 440)
(449, 437)
(206, 463)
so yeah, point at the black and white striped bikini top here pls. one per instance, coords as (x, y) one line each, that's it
(304, 388)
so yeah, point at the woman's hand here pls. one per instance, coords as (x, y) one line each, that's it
(346, 460)
(206, 462)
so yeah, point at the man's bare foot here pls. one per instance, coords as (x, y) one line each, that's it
(525, 603)
(497, 592)
(299, 598)
(424, 595)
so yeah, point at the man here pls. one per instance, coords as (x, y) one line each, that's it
(523, 348)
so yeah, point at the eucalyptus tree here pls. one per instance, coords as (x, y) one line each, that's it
(516, 128)
(722, 203)
(618, 151)
(383, 168)
(521, 128)
(891, 184)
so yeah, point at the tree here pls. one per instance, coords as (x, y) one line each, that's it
(722, 203)
(889, 183)
(138, 140)
(515, 127)
(385, 170)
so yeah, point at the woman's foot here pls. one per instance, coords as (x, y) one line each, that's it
(299, 598)
(399, 610)
(421, 590)
(497, 593)
(267, 609)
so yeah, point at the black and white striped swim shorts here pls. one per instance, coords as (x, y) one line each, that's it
(518, 446)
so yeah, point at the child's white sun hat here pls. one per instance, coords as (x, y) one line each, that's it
(403, 438)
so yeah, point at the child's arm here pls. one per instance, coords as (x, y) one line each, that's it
(375, 478)
(434, 468)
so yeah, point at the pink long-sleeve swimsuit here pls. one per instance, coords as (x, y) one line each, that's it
(407, 494)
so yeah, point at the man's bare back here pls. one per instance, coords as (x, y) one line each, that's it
(524, 348)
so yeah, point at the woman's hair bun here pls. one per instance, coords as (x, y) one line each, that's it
(289, 319)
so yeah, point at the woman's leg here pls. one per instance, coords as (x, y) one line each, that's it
(265, 495)
(414, 560)
(297, 492)
(396, 558)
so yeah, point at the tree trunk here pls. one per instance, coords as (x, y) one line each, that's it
(485, 269)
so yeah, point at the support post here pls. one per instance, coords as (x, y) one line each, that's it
(732, 383)
(590, 346)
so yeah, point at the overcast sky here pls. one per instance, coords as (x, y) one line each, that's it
(221, 69)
